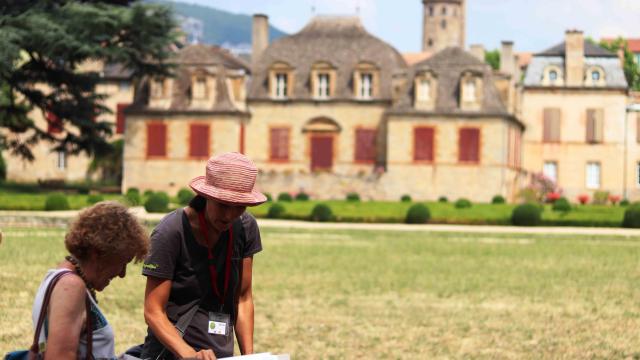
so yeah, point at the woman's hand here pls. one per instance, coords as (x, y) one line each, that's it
(205, 355)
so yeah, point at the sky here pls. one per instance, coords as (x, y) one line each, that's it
(534, 25)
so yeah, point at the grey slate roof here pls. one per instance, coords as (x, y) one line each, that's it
(589, 50)
(448, 66)
(341, 41)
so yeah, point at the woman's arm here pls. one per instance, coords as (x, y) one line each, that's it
(155, 302)
(67, 313)
(244, 323)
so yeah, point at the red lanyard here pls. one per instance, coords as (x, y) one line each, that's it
(212, 268)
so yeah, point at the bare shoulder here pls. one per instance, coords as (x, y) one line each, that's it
(71, 287)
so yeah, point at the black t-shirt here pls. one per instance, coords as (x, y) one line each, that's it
(175, 255)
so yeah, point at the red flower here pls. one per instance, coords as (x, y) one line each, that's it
(583, 199)
(615, 199)
(553, 197)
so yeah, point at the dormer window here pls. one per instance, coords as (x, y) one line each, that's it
(199, 88)
(365, 81)
(280, 81)
(471, 91)
(366, 86)
(552, 76)
(322, 86)
(425, 85)
(595, 76)
(158, 88)
(424, 90)
(281, 86)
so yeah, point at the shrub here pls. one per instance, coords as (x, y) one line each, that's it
(276, 211)
(56, 201)
(418, 214)
(561, 205)
(3, 168)
(184, 196)
(268, 196)
(322, 213)
(498, 199)
(443, 199)
(302, 196)
(583, 199)
(462, 204)
(157, 202)
(147, 193)
(94, 198)
(528, 195)
(624, 202)
(614, 199)
(353, 196)
(133, 196)
(526, 215)
(285, 197)
(632, 216)
(405, 198)
(600, 197)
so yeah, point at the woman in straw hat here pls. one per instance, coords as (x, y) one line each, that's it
(199, 269)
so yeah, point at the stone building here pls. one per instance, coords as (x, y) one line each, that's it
(574, 107)
(444, 24)
(175, 124)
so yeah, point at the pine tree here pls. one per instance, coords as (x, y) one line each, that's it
(42, 45)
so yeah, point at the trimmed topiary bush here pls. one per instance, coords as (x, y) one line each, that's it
(301, 196)
(443, 199)
(526, 215)
(498, 199)
(405, 198)
(561, 205)
(353, 196)
(56, 201)
(285, 197)
(624, 202)
(632, 216)
(418, 214)
(94, 198)
(268, 196)
(133, 196)
(462, 204)
(321, 212)
(147, 193)
(276, 211)
(157, 203)
(184, 196)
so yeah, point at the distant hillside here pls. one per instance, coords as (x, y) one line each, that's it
(217, 26)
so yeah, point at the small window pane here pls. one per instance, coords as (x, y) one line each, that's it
(595, 75)
(322, 87)
(550, 170)
(553, 75)
(593, 175)
(424, 90)
(62, 160)
(281, 85)
(469, 91)
(366, 86)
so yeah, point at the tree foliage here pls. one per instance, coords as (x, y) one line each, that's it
(493, 58)
(630, 67)
(44, 43)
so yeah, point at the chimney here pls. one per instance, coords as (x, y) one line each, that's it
(477, 50)
(507, 58)
(574, 57)
(259, 37)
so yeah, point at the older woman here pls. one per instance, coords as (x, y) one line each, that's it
(101, 242)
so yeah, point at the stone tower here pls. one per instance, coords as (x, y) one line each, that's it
(443, 24)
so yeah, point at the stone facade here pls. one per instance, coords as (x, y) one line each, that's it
(444, 23)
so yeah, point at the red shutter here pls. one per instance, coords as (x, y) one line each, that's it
(365, 145)
(156, 139)
(469, 145)
(279, 144)
(199, 140)
(120, 118)
(321, 153)
(54, 124)
(423, 144)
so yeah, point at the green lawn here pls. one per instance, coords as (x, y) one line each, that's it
(371, 294)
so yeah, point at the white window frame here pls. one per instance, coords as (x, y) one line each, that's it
(469, 91)
(322, 86)
(593, 175)
(281, 85)
(61, 158)
(366, 86)
(199, 88)
(424, 90)
(550, 170)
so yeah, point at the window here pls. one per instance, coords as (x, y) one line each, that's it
(593, 175)
(54, 124)
(444, 10)
(551, 126)
(430, 10)
(553, 75)
(423, 144)
(199, 88)
(158, 88)
(281, 86)
(443, 24)
(62, 160)
(366, 86)
(124, 86)
(199, 140)
(595, 125)
(365, 145)
(469, 145)
(424, 90)
(321, 152)
(595, 76)
(550, 170)
(322, 86)
(469, 91)
(279, 144)
(430, 42)
(156, 139)
(120, 118)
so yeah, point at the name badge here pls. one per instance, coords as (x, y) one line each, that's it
(219, 324)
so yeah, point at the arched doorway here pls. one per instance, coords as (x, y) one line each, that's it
(322, 142)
